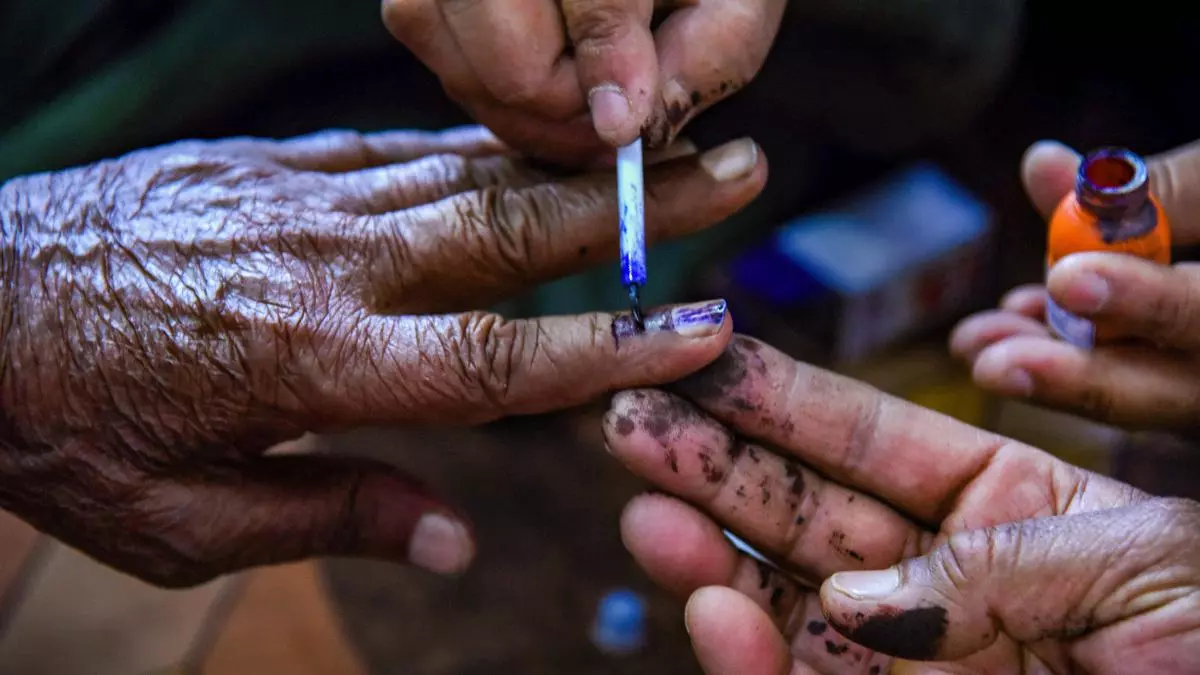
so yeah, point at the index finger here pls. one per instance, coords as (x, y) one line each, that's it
(918, 460)
(479, 366)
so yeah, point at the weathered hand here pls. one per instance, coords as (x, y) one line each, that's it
(568, 81)
(170, 315)
(929, 539)
(1151, 381)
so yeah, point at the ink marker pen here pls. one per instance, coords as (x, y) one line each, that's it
(633, 226)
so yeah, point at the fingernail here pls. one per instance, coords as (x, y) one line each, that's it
(867, 585)
(700, 320)
(440, 544)
(611, 110)
(1015, 382)
(731, 161)
(1086, 294)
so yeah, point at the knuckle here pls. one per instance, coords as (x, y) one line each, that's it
(596, 25)
(969, 557)
(519, 87)
(174, 551)
(1097, 401)
(1174, 318)
(512, 227)
(490, 349)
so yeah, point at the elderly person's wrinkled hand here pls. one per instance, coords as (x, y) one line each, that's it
(170, 315)
(1149, 379)
(569, 81)
(900, 539)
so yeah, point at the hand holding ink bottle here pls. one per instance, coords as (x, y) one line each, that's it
(1110, 210)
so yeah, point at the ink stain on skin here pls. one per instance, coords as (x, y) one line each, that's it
(836, 649)
(669, 319)
(658, 426)
(914, 634)
(764, 574)
(720, 380)
(799, 520)
(850, 499)
(736, 449)
(776, 596)
(797, 480)
(741, 491)
(676, 113)
(696, 98)
(753, 454)
(672, 460)
(837, 541)
(625, 426)
(816, 627)
(766, 493)
(712, 472)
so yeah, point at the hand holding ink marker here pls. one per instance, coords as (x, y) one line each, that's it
(1111, 210)
(633, 226)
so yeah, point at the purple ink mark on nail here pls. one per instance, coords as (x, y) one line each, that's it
(675, 318)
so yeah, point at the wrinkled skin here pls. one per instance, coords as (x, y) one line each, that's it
(172, 314)
(568, 81)
(910, 542)
(1151, 378)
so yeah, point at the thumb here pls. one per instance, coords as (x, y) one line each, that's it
(1039, 579)
(289, 508)
(1049, 169)
(616, 62)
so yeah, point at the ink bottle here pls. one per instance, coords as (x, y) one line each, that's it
(1110, 210)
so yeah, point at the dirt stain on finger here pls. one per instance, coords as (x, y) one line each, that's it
(912, 634)
(722, 380)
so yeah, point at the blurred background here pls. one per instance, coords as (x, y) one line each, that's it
(894, 131)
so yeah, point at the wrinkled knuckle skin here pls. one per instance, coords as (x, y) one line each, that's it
(511, 225)
(594, 25)
(491, 349)
(970, 557)
(519, 89)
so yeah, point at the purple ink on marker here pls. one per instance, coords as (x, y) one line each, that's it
(630, 194)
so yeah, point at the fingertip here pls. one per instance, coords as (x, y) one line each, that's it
(977, 332)
(441, 543)
(678, 547)
(999, 369)
(1028, 300)
(1048, 171)
(733, 636)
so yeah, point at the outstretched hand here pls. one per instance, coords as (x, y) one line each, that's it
(902, 534)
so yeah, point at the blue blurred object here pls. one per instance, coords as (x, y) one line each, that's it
(854, 279)
(620, 624)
